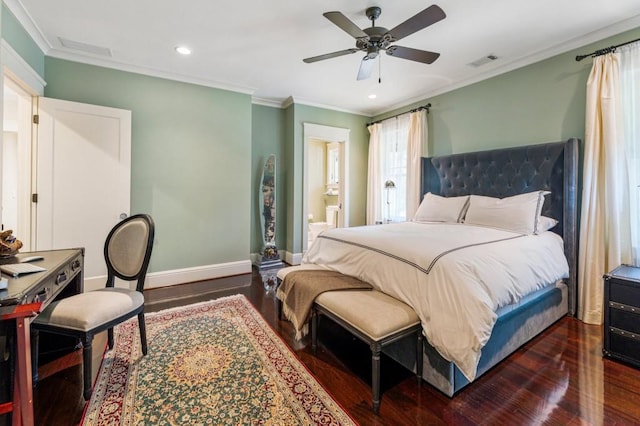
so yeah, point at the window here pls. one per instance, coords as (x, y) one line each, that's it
(630, 94)
(393, 158)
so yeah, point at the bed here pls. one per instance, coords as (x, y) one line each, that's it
(549, 167)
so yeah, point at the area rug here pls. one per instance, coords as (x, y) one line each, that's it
(216, 363)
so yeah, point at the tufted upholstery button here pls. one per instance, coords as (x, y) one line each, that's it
(501, 173)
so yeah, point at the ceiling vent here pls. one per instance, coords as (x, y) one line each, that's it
(84, 47)
(483, 61)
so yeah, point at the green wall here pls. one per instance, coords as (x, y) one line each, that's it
(542, 102)
(197, 152)
(21, 41)
(190, 155)
(268, 137)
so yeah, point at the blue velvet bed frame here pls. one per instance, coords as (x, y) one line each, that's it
(502, 173)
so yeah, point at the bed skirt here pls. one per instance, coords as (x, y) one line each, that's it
(516, 325)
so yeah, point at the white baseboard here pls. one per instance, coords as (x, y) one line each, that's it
(292, 258)
(180, 276)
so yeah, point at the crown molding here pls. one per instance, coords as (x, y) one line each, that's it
(90, 60)
(307, 102)
(14, 66)
(29, 25)
(275, 103)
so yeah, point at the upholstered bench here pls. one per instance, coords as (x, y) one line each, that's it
(373, 317)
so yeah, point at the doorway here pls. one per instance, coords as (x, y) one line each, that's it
(325, 180)
(16, 162)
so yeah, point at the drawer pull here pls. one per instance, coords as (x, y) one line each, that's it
(624, 333)
(75, 265)
(62, 277)
(626, 308)
(41, 296)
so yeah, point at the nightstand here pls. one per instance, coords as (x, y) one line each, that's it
(622, 315)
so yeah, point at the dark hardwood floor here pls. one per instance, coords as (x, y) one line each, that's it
(558, 378)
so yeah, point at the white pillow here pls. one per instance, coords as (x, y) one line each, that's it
(546, 223)
(519, 213)
(435, 208)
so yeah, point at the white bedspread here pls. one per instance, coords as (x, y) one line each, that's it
(455, 276)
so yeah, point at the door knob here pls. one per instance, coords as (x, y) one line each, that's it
(123, 216)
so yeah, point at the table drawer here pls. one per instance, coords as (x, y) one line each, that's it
(624, 346)
(624, 293)
(624, 317)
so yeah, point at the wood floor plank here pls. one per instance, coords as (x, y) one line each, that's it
(558, 378)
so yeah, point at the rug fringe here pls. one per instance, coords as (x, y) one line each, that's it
(288, 314)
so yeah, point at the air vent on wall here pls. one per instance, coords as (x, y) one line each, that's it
(84, 47)
(482, 61)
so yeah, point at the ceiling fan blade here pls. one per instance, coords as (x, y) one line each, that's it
(330, 55)
(421, 20)
(345, 24)
(412, 54)
(366, 66)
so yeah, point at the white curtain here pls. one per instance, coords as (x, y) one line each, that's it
(630, 95)
(416, 148)
(395, 148)
(374, 176)
(605, 222)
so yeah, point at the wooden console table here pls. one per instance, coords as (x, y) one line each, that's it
(24, 297)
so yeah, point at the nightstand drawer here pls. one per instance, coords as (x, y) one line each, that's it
(624, 317)
(624, 346)
(624, 293)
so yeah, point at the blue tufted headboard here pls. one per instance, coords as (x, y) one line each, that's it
(510, 171)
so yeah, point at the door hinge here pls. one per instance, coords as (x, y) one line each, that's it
(34, 198)
(36, 119)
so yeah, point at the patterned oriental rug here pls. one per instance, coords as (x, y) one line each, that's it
(216, 362)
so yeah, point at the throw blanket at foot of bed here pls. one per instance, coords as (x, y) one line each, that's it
(300, 288)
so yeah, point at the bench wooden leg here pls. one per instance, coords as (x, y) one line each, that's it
(375, 375)
(314, 330)
(419, 355)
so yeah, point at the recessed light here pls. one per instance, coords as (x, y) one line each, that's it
(372, 96)
(183, 50)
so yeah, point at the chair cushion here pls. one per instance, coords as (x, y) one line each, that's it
(90, 310)
(373, 313)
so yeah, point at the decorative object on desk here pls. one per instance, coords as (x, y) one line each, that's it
(9, 244)
(389, 185)
(269, 257)
(216, 362)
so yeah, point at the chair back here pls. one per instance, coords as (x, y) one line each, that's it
(127, 250)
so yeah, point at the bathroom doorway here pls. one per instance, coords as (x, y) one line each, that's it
(325, 203)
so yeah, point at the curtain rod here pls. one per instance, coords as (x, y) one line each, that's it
(605, 50)
(427, 106)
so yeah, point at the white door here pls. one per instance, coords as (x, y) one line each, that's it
(83, 178)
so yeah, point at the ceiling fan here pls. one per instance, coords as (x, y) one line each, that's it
(374, 39)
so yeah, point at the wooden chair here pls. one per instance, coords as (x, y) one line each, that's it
(127, 251)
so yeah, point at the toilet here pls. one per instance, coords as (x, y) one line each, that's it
(315, 228)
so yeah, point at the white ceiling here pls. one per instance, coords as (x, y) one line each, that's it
(257, 46)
